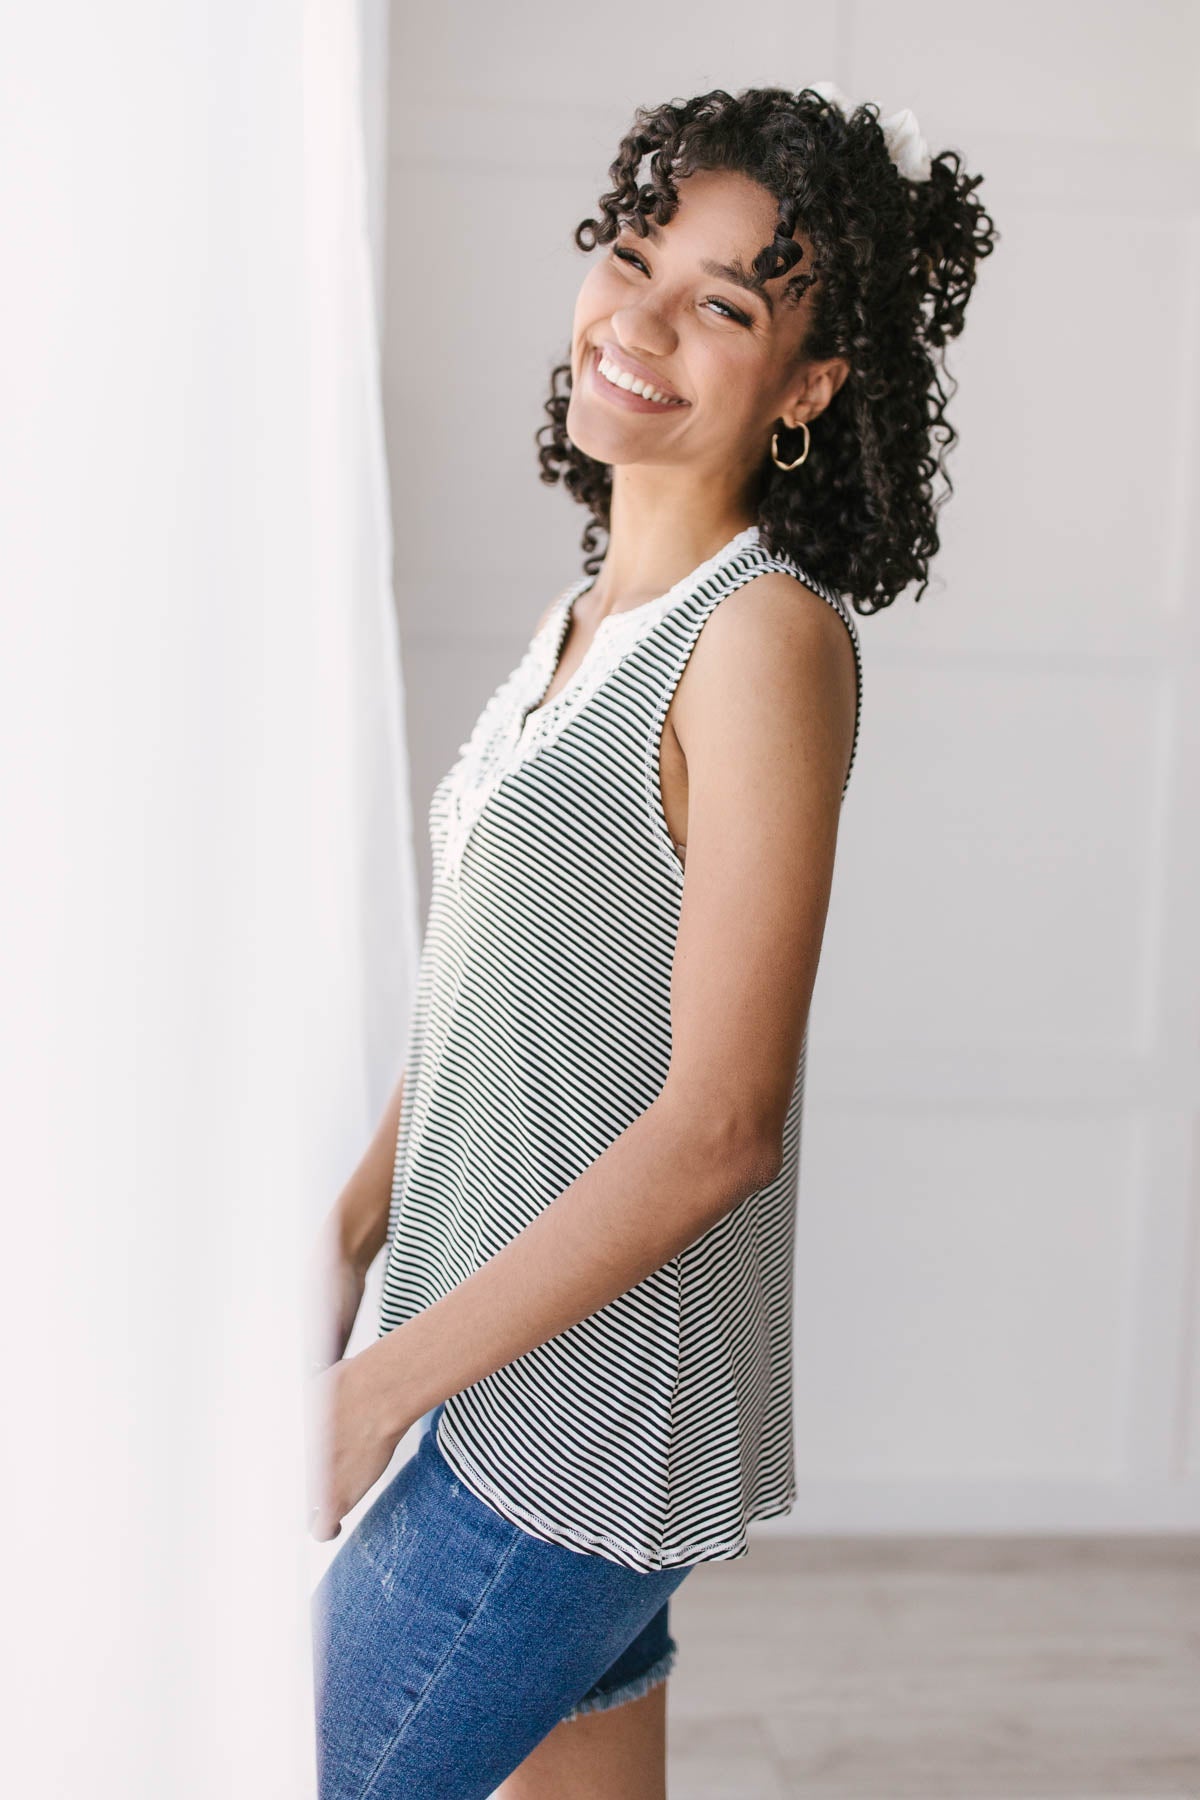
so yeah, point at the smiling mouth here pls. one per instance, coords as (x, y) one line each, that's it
(616, 377)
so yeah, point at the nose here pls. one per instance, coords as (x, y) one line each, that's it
(642, 329)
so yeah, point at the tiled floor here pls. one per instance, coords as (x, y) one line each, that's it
(932, 1669)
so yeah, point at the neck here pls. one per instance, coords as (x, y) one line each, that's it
(660, 530)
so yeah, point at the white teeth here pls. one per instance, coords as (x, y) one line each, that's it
(622, 379)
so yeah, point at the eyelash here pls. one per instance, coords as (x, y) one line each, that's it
(733, 312)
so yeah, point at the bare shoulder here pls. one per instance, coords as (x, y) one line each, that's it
(775, 644)
(771, 612)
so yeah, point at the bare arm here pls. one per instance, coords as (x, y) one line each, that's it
(351, 1236)
(360, 1214)
(766, 721)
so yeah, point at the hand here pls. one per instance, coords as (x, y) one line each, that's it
(358, 1429)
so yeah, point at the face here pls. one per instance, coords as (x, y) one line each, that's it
(726, 364)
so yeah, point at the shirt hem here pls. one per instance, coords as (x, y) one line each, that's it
(572, 1537)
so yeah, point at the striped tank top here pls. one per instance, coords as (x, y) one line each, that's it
(654, 1430)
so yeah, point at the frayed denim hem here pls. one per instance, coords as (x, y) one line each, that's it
(629, 1690)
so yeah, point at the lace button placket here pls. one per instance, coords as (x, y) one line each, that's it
(513, 727)
(507, 731)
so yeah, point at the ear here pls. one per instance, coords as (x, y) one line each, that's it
(821, 382)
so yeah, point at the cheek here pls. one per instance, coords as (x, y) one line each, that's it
(727, 372)
(597, 296)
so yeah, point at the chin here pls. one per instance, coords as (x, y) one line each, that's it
(602, 446)
(602, 439)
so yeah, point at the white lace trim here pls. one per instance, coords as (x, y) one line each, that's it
(513, 726)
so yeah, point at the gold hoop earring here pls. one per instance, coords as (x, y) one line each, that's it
(802, 426)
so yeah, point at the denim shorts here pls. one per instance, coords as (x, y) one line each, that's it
(448, 1642)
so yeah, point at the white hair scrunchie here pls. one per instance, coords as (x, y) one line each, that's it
(906, 147)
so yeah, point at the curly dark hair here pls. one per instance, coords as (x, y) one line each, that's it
(894, 264)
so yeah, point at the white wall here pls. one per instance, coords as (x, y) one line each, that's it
(998, 1277)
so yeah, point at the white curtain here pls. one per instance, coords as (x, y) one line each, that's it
(207, 917)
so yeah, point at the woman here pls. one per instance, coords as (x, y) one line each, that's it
(586, 1180)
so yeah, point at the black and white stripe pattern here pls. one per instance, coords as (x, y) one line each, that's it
(654, 1430)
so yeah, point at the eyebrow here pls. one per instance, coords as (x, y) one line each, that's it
(735, 271)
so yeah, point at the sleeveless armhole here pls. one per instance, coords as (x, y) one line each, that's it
(652, 772)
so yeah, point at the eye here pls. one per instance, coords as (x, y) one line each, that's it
(730, 311)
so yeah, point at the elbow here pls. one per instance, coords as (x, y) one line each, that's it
(732, 1150)
(760, 1161)
(746, 1162)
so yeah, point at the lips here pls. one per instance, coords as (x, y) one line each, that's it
(625, 397)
